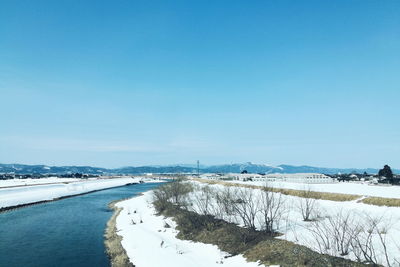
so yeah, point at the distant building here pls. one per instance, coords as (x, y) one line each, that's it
(215, 176)
(251, 177)
(354, 177)
(308, 178)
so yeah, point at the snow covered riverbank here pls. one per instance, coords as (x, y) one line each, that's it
(15, 196)
(149, 243)
(30, 181)
(144, 234)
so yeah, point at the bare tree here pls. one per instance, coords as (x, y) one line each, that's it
(179, 191)
(202, 199)
(382, 234)
(246, 206)
(161, 197)
(223, 208)
(370, 241)
(172, 193)
(342, 230)
(347, 233)
(334, 234)
(307, 205)
(322, 235)
(363, 247)
(272, 208)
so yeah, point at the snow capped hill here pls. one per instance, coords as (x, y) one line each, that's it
(179, 168)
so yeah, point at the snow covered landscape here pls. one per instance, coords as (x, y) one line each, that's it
(149, 243)
(35, 190)
(200, 133)
(145, 233)
(332, 228)
(384, 222)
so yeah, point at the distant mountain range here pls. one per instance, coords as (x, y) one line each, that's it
(182, 168)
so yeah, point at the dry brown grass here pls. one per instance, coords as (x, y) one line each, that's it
(288, 254)
(290, 192)
(381, 201)
(114, 249)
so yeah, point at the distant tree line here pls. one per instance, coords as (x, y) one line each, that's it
(384, 175)
(6, 176)
(387, 174)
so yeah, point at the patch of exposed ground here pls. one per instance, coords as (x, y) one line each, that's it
(115, 251)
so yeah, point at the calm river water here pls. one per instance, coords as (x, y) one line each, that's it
(67, 232)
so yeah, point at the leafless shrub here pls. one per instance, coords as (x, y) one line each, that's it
(334, 234)
(346, 233)
(246, 206)
(172, 193)
(223, 207)
(370, 241)
(179, 191)
(203, 200)
(363, 245)
(290, 224)
(343, 229)
(307, 205)
(321, 232)
(272, 207)
(241, 205)
(161, 197)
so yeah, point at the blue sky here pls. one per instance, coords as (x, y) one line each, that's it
(116, 83)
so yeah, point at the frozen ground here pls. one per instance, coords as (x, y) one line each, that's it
(35, 193)
(355, 188)
(150, 244)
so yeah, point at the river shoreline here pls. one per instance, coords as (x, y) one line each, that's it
(112, 241)
(69, 232)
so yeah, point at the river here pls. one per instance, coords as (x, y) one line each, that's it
(68, 232)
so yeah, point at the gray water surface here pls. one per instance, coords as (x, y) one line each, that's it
(68, 232)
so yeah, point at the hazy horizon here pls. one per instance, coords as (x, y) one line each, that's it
(202, 165)
(131, 83)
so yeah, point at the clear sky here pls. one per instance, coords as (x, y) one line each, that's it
(117, 83)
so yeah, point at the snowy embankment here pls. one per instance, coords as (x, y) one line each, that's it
(149, 243)
(30, 181)
(354, 188)
(346, 220)
(15, 196)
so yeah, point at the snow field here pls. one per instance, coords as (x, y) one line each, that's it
(294, 229)
(353, 188)
(30, 181)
